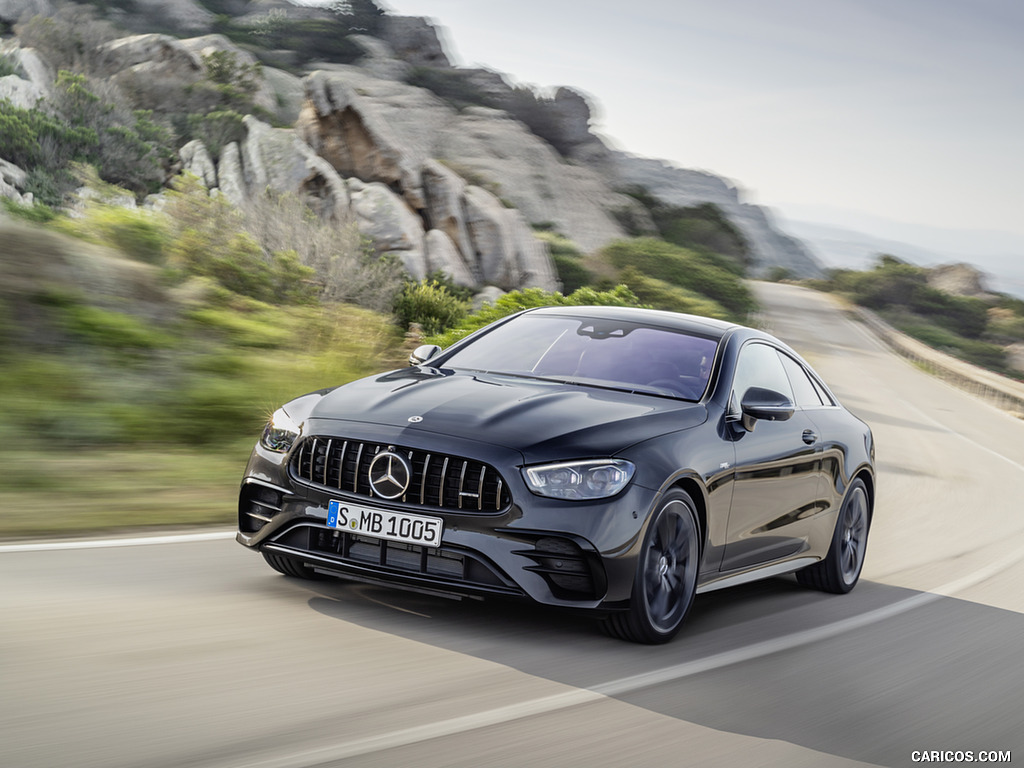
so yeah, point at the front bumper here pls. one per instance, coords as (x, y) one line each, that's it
(554, 552)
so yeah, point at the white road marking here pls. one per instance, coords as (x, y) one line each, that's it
(126, 541)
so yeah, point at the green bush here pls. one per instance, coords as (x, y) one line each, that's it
(516, 301)
(39, 213)
(7, 66)
(683, 268)
(140, 235)
(572, 274)
(114, 330)
(207, 238)
(661, 295)
(431, 305)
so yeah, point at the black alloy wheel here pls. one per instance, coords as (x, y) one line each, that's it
(666, 578)
(839, 572)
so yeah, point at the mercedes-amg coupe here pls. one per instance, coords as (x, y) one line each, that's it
(614, 460)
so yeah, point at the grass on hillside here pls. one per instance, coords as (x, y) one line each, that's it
(72, 492)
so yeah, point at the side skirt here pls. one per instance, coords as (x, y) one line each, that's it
(764, 572)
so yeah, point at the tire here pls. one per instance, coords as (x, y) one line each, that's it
(289, 567)
(666, 575)
(839, 572)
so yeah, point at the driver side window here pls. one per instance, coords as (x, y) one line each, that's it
(759, 366)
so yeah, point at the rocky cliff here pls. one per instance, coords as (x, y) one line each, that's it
(439, 185)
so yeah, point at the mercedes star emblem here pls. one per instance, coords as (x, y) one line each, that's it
(389, 475)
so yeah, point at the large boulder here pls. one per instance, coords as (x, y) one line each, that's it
(959, 280)
(379, 60)
(415, 40)
(230, 176)
(152, 51)
(13, 11)
(12, 179)
(508, 254)
(277, 159)
(387, 220)
(29, 65)
(571, 112)
(371, 128)
(495, 149)
(177, 15)
(443, 190)
(21, 93)
(443, 256)
(196, 160)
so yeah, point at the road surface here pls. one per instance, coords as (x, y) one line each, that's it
(192, 652)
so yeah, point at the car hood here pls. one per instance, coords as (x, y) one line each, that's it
(543, 420)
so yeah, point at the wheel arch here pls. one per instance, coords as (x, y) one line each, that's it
(697, 493)
(865, 475)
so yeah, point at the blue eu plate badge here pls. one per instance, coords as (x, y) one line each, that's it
(332, 514)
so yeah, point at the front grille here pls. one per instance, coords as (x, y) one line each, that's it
(438, 480)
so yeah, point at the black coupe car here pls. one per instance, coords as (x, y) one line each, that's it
(610, 459)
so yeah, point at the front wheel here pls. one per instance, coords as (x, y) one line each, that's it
(666, 577)
(839, 572)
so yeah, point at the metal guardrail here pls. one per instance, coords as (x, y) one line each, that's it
(1001, 391)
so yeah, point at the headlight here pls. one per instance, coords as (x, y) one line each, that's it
(579, 480)
(280, 433)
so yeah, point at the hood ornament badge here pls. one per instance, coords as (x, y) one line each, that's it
(415, 419)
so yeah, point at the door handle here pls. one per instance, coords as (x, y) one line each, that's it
(810, 436)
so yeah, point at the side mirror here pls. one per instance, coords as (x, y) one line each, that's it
(766, 405)
(421, 354)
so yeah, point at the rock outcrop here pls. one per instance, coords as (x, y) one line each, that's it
(415, 40)
(769, 246)
(959, 280)
(13, 11)
(12, 179)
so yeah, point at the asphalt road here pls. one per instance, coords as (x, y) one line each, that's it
(195, 653)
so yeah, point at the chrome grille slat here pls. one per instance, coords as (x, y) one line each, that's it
(327, 460)
(341, 464)
(355, 476)
(473, 486)
(440, 487)
(423, 478)
(462, 481)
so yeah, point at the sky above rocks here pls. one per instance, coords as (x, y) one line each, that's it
(851, 112)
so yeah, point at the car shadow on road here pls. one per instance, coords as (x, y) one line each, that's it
(943, 674)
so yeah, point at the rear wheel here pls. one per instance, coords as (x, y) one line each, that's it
(288, 566)
(840, 570)
(666, 578)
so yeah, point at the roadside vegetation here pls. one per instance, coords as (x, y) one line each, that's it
(977, 330)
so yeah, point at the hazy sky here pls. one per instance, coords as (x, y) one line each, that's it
(909, 110)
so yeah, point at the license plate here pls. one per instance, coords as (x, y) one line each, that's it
(382, 524)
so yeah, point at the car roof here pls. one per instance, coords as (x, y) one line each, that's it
(704, 326)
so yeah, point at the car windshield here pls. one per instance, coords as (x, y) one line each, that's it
(594, 351)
